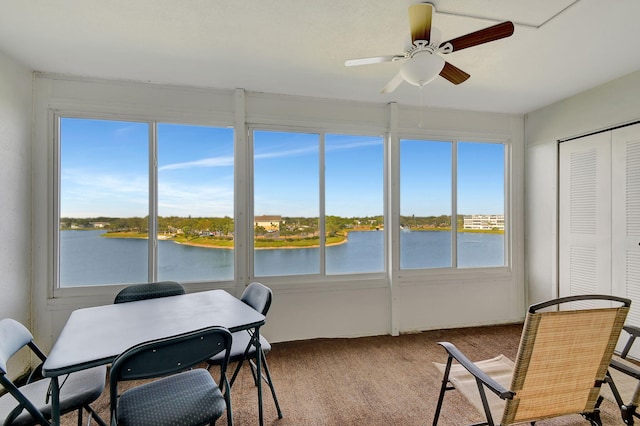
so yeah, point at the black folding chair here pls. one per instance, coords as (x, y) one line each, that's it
(258, 296)
(180, 395)
(30, 403)
(148, 291)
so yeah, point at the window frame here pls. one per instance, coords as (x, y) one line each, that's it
(56, 115)
(243, 148)
(408, 276)
(321, 278)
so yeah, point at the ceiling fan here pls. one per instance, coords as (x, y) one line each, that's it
(423, 61)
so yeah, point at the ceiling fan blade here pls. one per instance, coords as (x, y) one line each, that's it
(420, 21)
(393, 84)
(453, 74)
(496, 32)
(373, 60)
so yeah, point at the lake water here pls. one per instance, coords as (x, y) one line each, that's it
(88, 259)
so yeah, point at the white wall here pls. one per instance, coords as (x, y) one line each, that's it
(387, 303)
(608, 105)
(15, 187)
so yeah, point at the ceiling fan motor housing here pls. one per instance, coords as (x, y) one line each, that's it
(422, 68)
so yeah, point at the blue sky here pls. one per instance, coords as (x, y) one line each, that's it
(105, 168)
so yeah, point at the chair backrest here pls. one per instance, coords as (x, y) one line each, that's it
(169, 355)
(563, 358)
(148, 291)
(13, 337)
(258, 296)
(165, 356)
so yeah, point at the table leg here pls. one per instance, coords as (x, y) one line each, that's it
(258, 346)
(55, 402)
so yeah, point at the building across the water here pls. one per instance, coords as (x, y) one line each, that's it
(484, 221)
(270, 223)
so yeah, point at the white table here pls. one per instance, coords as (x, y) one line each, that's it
(96, 336)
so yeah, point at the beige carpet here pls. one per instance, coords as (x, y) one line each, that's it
(380, 380)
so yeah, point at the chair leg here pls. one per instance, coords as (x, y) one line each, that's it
(270, 383)
(267, 378)
(93, 415)
(485, 403)
(227, 400)
(627, 411)
(253, 372)
(235, 372)
(443, 389)
(594, 418)
(241, 361)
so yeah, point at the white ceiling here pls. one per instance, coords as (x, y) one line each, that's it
(298, 47)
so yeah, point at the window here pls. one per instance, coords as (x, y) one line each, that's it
(318, 200)
(286, 203)
(425, 204)
(195, 203)
(354, 204)
(429, 171)
(116, 205)
(150, 201)
(480, 236)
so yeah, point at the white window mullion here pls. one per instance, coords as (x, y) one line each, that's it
(508, 222)
(56, 205)
(322, 223)
(243, 195)
(454, 205)
(392, 219)
(153, 201)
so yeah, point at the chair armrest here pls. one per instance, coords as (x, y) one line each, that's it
(633, 333)
(625, 368)
(490, 383)
(632, 330)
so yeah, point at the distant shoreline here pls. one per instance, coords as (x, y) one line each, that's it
(228, 244)
(186, 243)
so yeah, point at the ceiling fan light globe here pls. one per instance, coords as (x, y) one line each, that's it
(422, 68)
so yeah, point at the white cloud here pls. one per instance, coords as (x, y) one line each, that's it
(205, 162)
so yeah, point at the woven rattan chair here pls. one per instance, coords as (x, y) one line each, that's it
(180, 395)
(561, 364)
(148, 291)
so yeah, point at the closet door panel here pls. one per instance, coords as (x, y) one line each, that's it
(625, 226)
(585, 215)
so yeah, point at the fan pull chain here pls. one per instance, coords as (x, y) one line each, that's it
(421, 106)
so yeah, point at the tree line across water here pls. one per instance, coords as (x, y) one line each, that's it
(219, 231)
(225, 225)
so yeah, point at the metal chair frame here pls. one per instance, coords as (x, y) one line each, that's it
(629, 410)
(484, 381)
(20, 338)
(167, 356)
(259, 297)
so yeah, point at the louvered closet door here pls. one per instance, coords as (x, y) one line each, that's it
(626, 218)
(585, 215)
